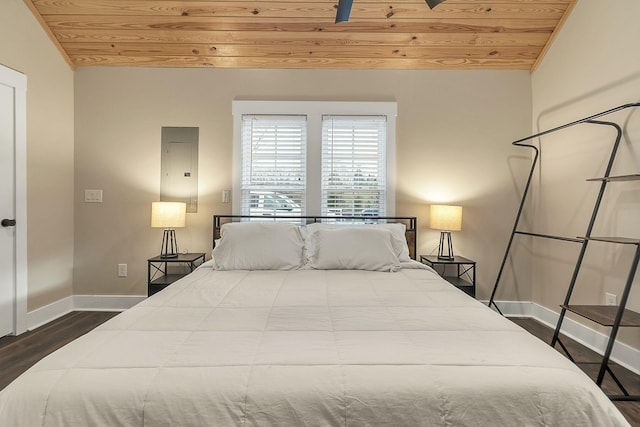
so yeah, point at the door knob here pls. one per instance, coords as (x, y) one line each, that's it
(8, 222)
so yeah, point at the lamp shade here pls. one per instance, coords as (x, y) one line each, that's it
(168, 214)
(446, 217)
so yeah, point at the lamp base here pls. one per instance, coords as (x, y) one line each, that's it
(445, 240)
(169, 244)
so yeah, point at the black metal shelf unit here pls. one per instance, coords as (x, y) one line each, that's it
(610, 316)
(158, 271)
(464, 277)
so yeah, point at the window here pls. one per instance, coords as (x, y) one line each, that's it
(353, 165)
(273, 165)
(314, 158)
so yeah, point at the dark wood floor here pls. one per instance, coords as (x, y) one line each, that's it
(17, 354)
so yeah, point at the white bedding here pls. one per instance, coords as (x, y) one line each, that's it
(307, 347)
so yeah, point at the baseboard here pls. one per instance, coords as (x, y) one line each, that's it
(48, 313)
(622, 354)
(66, 305)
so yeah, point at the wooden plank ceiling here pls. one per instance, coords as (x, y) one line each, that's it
(381, 34)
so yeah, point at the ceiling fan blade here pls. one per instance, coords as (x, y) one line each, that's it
(433, 3)
(344, 10)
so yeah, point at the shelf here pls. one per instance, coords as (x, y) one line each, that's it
(620, 240)
(458, 281)
(605, 314)
(632, 177)
(189, 257)
(166, 279)
(433, 259)
(464, 267)
(462, 284)
(611, 316)
(159, 265)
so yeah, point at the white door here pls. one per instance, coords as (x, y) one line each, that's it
(12, 296)
(7, 211)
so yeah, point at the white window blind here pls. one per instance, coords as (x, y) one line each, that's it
(354, 165)
(273, 165)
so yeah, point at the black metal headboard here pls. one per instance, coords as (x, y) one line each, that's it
(408, 221)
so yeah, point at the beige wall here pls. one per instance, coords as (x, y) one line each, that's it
(26, 48)
(453, 145)
(585, 72)
(454, 131)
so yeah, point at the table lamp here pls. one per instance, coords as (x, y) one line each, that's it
(168, 215)
(446, 218)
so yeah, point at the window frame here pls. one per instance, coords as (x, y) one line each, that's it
(314, 111)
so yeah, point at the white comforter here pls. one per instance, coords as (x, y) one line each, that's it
(313, 348)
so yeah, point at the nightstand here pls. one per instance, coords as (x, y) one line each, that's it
(158, 275)
(464, 277)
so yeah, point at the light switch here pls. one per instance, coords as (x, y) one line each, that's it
(226, 195)
(122, 270)
(93, 196)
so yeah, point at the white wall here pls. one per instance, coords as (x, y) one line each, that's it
(25, 47)
(593, 65)
(454, 130)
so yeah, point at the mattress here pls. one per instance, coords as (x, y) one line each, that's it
(307, 347)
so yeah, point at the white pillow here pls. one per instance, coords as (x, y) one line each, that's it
(352, 248)
(398, 232)
(259, 246)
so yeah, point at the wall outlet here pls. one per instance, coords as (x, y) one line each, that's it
(610, 299)
(122, 270)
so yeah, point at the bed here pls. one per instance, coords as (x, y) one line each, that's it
(310, 324)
